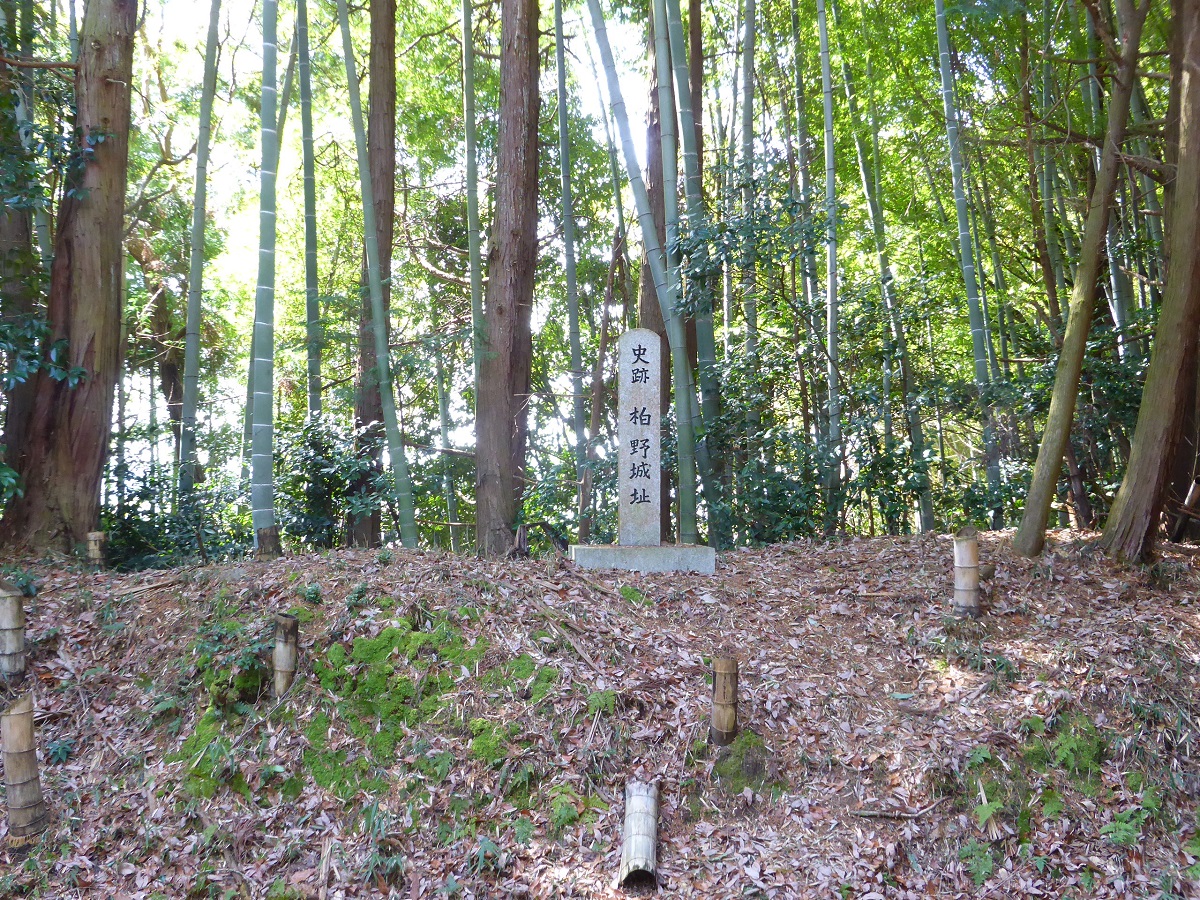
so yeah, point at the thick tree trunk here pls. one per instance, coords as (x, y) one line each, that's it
(649, 312)
(381, 151)
(70, 425)
(1043, 485)
(502, 424)
(17, 263)
(1132, 524)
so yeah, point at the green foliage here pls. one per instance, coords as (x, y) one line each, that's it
(633, 595)
(1125, 829)
(321, 478)
(59, 751)
(602, 702)
(232, 662)
(981, 862)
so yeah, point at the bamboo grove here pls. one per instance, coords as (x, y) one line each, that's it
(914, 266)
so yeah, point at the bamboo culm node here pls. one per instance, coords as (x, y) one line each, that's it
(287, 639)
(12, 631)
(966, 573)
(639, 854)
(27, 813)
(724, 701)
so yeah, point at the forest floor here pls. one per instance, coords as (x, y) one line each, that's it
(461, 728)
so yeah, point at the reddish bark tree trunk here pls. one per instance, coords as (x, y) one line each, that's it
(502, 425)
(69, 429)
(649, 312)
(381, 154)
(1133, 523)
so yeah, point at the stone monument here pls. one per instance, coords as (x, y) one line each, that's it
(639, 473)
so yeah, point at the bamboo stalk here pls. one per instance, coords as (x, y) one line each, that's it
(12, 631)
(287, 639)
(95, 547)
(639, 857)
(1185, 515)
(724, 700)
(966, 573)
(27, 813)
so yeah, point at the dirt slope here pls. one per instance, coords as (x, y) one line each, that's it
(462, 728)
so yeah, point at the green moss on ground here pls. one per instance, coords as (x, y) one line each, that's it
(746, 763)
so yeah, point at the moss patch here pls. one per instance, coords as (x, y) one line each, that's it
(384, 684)
(746, 763)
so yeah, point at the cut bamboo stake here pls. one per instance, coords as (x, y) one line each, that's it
(27, 813)
(12, 631)
(966, 573)
(724, 701)
(1187, 513)
(287, 637)
(95, 547)
(639, 855)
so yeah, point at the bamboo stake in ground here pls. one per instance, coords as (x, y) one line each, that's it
(287, 638)
(639, 855)
(724, 700)
(966, 573)
(27, 814)
(95, 547)
(12, 631)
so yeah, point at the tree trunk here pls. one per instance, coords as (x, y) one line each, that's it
(597, 412)
(1032, 532)
(381, 153)
(1132, 523)
(375, 234)
(70, 425)
(650, 314)
(502, 423)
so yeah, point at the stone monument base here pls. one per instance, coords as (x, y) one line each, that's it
(660, 558)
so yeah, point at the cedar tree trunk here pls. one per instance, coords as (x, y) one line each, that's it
(502, 423)
(381, 151)
(1132, 523)
(69, 429)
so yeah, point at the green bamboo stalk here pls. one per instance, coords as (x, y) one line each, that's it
(803, 160)
(262, 489)
(727, 195)
(444, 435)
(684, 390)
(478, 328)
(666, 104)
(568, 222)
(284, 101)
(191, 350)
(749, 254)
(312, 303)
(391, 424)
(869, 173)
(705, 416)
(834, 403)
(706, 350)
(967, 259)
